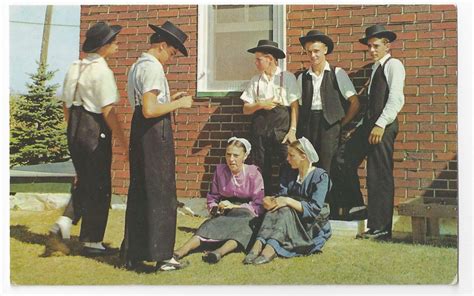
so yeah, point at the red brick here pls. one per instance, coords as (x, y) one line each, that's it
(418, 81)
(440, 43)
(432, 89)
(443, 26)
(417, 62)
(429, 16)
(431, 71)
(389, 9)
(443, 7)
(366, 11)
(435, 127)
(355, 20)
(410, 17)
(379, 19)
(450, 15)
(416, 8)
(445, 117)
(435, 108)
(445, 137)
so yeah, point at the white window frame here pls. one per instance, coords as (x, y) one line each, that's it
(279, 35)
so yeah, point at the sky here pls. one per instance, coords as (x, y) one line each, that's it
(26, 32)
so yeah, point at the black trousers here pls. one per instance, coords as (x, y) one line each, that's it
(380, 183)
(324, 137)
(269, 127)
(90, 145)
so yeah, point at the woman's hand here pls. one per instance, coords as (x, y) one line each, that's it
(226, 205)
(280, 202)
(269, 202)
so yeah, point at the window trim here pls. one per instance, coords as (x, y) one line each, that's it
(279, 35)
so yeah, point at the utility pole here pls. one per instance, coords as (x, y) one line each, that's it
(46, 30)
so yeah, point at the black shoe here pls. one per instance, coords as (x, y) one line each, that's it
(380, 235)
(263, 260)
(94, 252)
(169, 266)
(375, 235)
(211, 257)
(251, 256)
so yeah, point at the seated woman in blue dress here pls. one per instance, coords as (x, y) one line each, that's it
(297, 221)
(235, 201)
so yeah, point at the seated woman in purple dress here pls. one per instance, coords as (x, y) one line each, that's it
(297, 221)
(235, 201)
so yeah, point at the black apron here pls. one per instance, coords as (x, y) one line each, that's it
(90, 145)
(150, 222)
(268, 129)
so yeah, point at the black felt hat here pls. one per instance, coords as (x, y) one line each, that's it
(268, 46)
(378, 31)
(98, 35)
(173, 35)
(315, 35)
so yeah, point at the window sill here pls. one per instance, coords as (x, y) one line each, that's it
(217, 94)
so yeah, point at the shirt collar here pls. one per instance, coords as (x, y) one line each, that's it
(326, 68)
(277, 72)
(381, 61)
(94, 58)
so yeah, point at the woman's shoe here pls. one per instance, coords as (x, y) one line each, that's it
(211, 257)
(170, 266)
(264, 260)
(251, 256)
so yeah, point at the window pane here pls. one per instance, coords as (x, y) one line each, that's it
(227, 32)
(260, 12)
(229, 13)
(231, 60)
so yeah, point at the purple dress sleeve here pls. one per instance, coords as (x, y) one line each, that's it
(213, 197)
(256, 192)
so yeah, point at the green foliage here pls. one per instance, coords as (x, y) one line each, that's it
(37, 129)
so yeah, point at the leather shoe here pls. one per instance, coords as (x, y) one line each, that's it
(263, 260)
(251, 256)
(93, 252)
(211, 257)
(374, 235)
(380, 235)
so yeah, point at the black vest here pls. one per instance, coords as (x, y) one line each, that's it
(378, 96)
(331, 99)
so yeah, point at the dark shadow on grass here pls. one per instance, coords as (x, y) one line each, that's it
(187, 229)
(23, 234)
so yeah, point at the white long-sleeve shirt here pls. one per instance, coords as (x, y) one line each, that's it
(394, 71)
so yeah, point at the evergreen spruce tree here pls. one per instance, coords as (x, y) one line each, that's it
(37, 129)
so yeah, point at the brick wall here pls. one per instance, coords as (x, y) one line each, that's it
(426, 147)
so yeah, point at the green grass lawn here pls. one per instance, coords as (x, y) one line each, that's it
(344, 260)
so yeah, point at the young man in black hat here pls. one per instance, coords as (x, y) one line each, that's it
(323, 88)
(150, 223)
(272, 97)
(375, 138)
(89, 94)
(322, 114)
